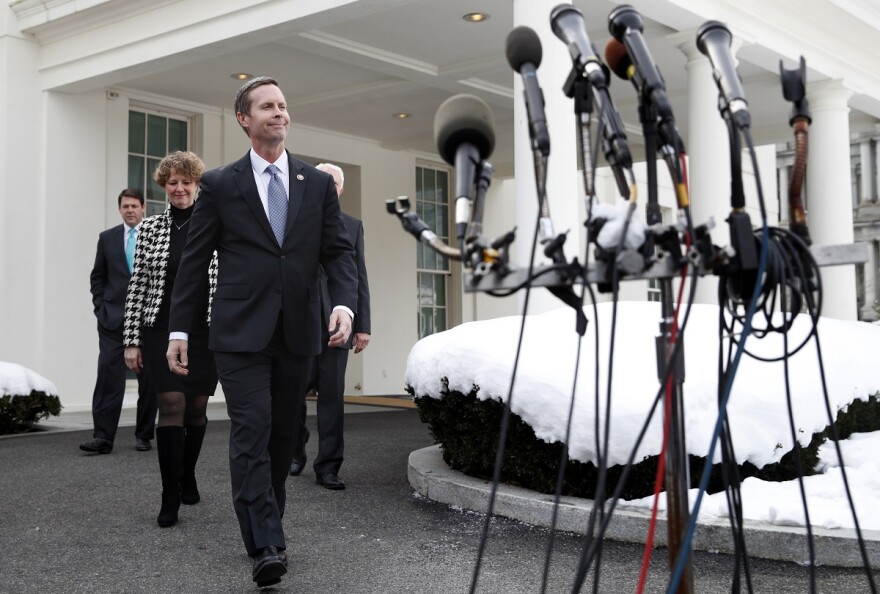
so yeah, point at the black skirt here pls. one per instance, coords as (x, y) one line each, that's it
(202, 378)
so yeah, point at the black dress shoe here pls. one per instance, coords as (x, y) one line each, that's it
(329, 480)
(268, 567)
(297, 466)
(143, 445)
(97, 445)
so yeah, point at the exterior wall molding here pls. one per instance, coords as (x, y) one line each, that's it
(162, 102)
(48, 19)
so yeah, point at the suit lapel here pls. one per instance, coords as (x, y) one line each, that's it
(297, 181)
(244, 179)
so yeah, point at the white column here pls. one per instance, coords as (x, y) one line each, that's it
(74, 207)
(874, 260)
(871, 269)
(563, 194)
(707, 143)
(875, 170)
(829, 188)
(865, 181)
(783, 175)
(22, 172)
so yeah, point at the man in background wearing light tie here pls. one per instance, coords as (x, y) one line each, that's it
(109, 280)
(274, 221)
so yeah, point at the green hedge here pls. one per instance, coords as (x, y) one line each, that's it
(21, 413)
(467, 430)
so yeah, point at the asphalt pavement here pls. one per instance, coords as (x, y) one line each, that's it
(77, 523)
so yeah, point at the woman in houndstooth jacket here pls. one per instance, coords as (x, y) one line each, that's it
(182, 399)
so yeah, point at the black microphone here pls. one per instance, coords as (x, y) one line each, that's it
(464, 130)
(713, 40)
(620, 63)
(567, 23)
(524, 55)
(625, 25)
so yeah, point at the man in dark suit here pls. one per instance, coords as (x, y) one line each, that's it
(274, 221)
(330, 369)
(109, 282)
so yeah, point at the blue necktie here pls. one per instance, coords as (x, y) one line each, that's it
(277, 204)
(130, 244)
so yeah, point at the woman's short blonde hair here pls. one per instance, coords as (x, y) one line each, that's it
(184, 163)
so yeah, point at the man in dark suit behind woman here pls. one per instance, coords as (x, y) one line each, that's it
(109, 283)
(274, 221)
(330, 368)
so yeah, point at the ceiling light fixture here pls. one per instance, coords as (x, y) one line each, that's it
(475, 17)
(241, 76)
(401, 115)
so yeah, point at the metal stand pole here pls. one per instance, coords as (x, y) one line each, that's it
(677, 469)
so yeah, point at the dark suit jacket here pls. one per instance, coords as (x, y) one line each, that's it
(109, 278)
(257, 278)
(355, 228)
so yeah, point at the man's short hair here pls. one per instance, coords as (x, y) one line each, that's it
(243, 100)
(130, 193)
(330, 168)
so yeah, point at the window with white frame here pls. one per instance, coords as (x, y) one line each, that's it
(151, 136)
(433, 269)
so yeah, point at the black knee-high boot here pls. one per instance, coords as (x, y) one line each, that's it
(169, 444)
(189, 490)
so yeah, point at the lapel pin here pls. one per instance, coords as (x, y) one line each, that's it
(300, 177)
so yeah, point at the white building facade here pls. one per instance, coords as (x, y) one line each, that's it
(77, 78)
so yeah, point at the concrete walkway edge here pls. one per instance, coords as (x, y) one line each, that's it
(430, 476)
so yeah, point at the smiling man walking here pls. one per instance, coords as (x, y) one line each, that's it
(274, 221)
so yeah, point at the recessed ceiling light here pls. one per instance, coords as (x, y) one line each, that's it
(241, 76)
(401, 115)
(475, 17)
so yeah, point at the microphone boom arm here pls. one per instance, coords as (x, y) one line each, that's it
(794, 90)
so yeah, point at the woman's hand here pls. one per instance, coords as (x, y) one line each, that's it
(133, 359)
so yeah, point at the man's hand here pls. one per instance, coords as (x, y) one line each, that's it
(133, 359)
(339, 327)
(361, 340)
(177, 357)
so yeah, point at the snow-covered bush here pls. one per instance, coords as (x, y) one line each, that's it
(25, 398)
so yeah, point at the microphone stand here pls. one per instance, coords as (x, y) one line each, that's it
(553, 244)
(677, 476)
(492, 273)
(545, 223)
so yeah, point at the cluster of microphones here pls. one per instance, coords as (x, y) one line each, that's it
(465, 136)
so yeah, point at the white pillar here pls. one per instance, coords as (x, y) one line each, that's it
(22, 171)
(707, 144)
(563, 193)
(829, 188)
(865, 181)
(783, 175)
(871, 270)
(875, 166)
(75, 204)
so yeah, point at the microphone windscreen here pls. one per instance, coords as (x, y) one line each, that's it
(719, 32)
(617, 58)
(523, 47)
(622, 18)
(464, 119)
